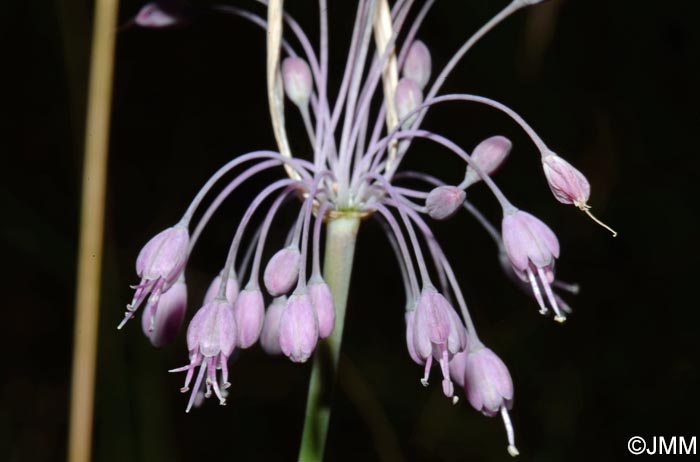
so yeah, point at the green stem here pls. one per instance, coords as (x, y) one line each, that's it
(337, 269)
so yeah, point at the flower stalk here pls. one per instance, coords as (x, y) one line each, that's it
(339, 255)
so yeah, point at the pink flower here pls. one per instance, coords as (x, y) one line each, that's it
(211, 338)
(437, 333)
(249, 311)
(322, 301)
(532, 249)
(488, 156)
(159, 264)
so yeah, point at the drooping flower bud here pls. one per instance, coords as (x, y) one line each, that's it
(322, 301)
(297, 80)
(298, 328)
(211, 338)
(532, 248)
(418, 64)
(489, 388)
(408, 97)
(569, 185)
(444, 201)
(231, 289)
(282, 271)
(270, 336)
(159, 15)
(249, 311)
(162, 325)
(488, 155)
(159, 264)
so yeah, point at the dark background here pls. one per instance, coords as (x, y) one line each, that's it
(611, 85)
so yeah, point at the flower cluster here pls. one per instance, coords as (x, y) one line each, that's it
(359, 142)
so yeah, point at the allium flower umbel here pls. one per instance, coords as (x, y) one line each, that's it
(358, 143)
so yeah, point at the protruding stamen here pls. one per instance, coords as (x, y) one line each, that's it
(512, 450)
(558, 316)
(587, 210)
(426, 374)
(127, 315)
(537, 292)
(197, 384)
(455, 399)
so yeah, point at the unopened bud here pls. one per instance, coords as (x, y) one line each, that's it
(249, 311)
(298, 328)
(282, 271)
(418, 64)
(488, 155)
(408, 97)
(297, 79)
(231, 289)
(569, 185)
(322, 301)
(444, 201)
(270, 336)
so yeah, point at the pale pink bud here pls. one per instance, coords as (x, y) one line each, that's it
(322, 301)
(297, 79)
(249, 311)
(298, 328)
(231, 289)
(568, 185)
(162, 325)
(488, 156)
(270, 336)
(159, 15)
(418, 64)
(487, 382)
(282, 271)
(408, 97)
(444, 201)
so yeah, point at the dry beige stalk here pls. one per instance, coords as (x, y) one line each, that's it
(275, 92)
(383, 31)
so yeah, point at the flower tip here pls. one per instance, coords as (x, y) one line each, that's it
(585, 208)
(560, 319)
(455, 400)
(128, 315)
(424, 382)
(513, 451)
(183, 389)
